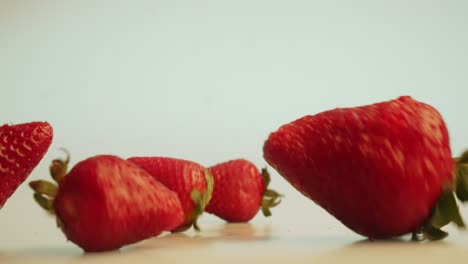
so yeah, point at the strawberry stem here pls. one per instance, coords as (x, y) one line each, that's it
(45, 191)
(271, 198)
(44, 194)
(201, 200)
(58, 169)
(197, 198)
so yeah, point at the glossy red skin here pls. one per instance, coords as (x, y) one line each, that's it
(237, 192)
(379, 169)
(180, 176)
(105, 202)
(22, 147)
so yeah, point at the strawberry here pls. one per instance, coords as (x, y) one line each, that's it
(383, 170)
(21, 149)
(191, 181)
(240, 190)
(105, 202)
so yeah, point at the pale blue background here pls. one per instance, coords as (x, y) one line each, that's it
(209, 80)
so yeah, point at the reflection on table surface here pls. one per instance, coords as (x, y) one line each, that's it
(237, 243)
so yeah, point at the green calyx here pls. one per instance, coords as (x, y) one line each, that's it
(45, 191)
(58, 169)
(271, 198)
(461, 180)
(201, 200)
(446, 209)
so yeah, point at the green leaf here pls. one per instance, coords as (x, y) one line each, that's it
(438, 219)
(271, 198)
(195, 195)
(44, 187)
(201, 200)
(446, 211)
(197, 198)
(463, 158)
(272, 193)
(273, 201)
(461, 187)
(266, 177)
(266, 210)
(44, 202)
(207, 194)
(433, 233)
(58, 169)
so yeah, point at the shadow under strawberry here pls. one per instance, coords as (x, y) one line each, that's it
(45, 252)
(224, 233)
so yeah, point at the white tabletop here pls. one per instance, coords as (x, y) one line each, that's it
(251, 243)
(297, 232)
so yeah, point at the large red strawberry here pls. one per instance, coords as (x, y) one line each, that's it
(383, 170)
(240, 190)
(191, 181)
(21, 149)
(106, 202)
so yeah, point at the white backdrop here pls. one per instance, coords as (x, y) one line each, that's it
(209, 80)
